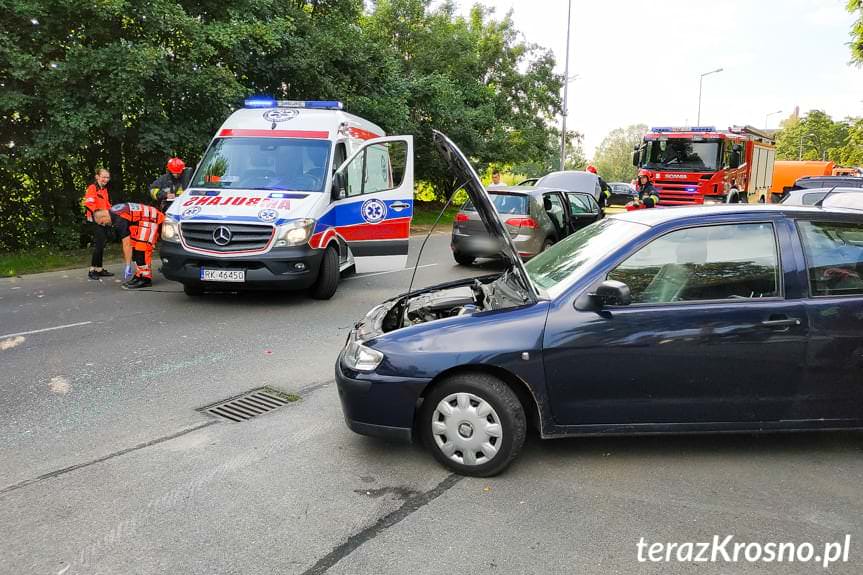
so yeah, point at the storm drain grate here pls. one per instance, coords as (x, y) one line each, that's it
(250, 404)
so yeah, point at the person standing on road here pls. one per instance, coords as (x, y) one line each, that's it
(169, 185)
(142, 223)
(604, 190)
(96, 199)
(648, 195)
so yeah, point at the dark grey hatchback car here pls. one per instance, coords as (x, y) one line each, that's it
(536, 218)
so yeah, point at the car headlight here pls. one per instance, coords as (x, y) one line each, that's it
(362, 358)
(295, 233)
(170, 231)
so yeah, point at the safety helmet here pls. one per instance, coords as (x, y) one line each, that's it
(176, 166)
(591, 169)
(644, 173)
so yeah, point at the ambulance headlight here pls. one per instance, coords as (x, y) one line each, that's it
(295, 233)
(359, 357)
(170, 231)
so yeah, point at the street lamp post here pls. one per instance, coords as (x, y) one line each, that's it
(566, 81)
(700, 80)
(767, 116)
(800, 151)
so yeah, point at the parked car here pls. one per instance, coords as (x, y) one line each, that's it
(809, 182)
(741, 318)
(535, 219)
(622, 193)
(811, 196)
(528, 182)
(572, 181)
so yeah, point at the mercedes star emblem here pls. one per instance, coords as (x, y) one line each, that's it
(222, 236)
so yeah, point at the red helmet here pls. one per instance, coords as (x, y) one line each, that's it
(644, 173)
(591, 169)
(176, 166)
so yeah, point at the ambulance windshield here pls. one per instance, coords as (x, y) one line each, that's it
(265, 164)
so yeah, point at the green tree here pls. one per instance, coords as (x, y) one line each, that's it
(856, 44)
(814, 137)
(851, 153)
(613, 157)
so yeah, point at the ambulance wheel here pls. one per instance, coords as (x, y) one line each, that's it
(328, 277)
(192, 290)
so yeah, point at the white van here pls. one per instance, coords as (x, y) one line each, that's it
(288, 195)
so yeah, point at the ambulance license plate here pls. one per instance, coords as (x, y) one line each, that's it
(223, 275)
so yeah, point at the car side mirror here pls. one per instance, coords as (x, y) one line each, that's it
(186, 177)
(338, 190)
(612, 292)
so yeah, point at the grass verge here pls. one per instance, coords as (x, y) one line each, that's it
(46, 259)
(425, 214)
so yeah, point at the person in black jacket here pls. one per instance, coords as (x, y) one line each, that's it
(648, 195)
(605, 189)
(169, 185)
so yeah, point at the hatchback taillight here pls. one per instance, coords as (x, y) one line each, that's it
(460, 217)
(524, 222)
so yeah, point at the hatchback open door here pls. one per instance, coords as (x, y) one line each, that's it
(373, 199)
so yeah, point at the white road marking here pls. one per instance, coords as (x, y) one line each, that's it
(43, 330)
(360, 276)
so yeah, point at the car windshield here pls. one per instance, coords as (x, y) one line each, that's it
(503, 203)
(681, 154)
(265, 164)
(579, 252)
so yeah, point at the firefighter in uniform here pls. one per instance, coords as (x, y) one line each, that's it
(169, 185)
(648, 195)
(143, 223)
(605, 190)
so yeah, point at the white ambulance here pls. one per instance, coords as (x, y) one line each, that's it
(288, 195)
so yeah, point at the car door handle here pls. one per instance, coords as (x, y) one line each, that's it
(787, 322)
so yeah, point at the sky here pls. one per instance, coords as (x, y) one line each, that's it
(640, 61)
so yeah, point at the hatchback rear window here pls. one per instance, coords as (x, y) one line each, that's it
(504, 204)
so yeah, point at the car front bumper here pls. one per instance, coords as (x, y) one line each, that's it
(280, 268)
(377, 405)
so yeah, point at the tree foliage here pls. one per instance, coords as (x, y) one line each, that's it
(124, 84)
(613, 158)
(856, 7)
(815, 136)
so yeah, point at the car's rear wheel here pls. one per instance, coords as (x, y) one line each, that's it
(328, 276)
(193, 290)
(547, 243)
(473, 424)
(463, 259)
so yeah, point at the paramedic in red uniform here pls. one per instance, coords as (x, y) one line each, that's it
(143, 223)
(95, 199)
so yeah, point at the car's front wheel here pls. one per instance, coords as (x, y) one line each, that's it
(473, 423)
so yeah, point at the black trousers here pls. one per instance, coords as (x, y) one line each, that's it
(100, 238)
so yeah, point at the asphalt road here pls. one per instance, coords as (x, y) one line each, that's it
(107, 467)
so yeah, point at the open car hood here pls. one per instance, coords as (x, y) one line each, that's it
(461, 170)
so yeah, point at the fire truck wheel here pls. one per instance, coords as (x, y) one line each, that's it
(733, 196)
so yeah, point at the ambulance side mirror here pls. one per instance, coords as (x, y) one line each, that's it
(338, 190)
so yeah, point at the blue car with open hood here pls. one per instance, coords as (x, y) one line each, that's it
(741, 318)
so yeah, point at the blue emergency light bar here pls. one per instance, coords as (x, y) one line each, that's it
(684, 129)
(265, 102)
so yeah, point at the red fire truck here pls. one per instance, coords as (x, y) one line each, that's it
(700, 165)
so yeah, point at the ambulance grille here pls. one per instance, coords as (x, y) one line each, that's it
(250, 404)
(240, 237)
